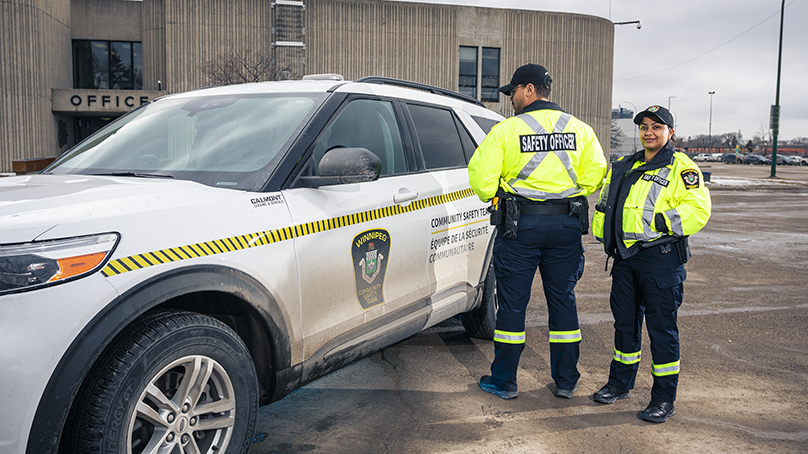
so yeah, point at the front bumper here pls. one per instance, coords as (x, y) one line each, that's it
(36, 329)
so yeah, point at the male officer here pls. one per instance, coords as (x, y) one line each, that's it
(538, 167)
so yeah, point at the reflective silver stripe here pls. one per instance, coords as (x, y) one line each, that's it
(564, 156)
(534, 162)
(509, 337)
(537, 159)
(627, 358)
(529, 167)
(533, 194)
(676, 222)
(665, 369)
(565, 336)
(649, 234)
(534, 124)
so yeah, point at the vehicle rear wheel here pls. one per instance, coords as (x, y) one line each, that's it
(481, 322)
(176, 382)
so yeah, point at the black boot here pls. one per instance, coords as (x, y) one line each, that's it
(658, 411)
(609, 394)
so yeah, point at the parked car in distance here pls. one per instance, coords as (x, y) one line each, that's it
(717, 157)
(757, 159)
(780, 159)
(732, 158)
(703, 157)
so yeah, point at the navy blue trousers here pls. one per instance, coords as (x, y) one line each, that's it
(551, 244)
(647, 285)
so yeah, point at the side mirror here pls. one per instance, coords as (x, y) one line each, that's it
(344, 166)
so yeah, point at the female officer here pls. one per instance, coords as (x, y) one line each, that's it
(651, 202)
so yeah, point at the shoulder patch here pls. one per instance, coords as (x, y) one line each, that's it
(690, 177)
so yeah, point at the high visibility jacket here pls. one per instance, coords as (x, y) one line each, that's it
(645, 203)
(541, 154)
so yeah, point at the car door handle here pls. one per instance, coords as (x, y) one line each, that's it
(404, 195)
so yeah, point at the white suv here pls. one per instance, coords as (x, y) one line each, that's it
(212, 251)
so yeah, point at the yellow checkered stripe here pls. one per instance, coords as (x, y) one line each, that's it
(235, 243)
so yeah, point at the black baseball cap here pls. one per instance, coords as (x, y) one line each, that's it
(661, 113)
(528, 74)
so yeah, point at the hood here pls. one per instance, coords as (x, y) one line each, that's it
(32, 205)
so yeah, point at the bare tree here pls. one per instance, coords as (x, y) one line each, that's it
(763, 136)
(617, 135)
(241, 66)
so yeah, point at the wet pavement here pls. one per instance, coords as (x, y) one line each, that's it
(744, 331)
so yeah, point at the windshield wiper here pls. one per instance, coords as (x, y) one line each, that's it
(135, 174)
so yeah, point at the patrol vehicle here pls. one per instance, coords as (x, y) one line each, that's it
(214, 250)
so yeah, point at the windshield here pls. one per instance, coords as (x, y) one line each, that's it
(230, 141)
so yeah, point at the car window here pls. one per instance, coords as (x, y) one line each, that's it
(485, 123)
(468, 143)
(366, 123)
(438, 136)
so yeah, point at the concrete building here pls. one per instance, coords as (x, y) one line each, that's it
(67, 67)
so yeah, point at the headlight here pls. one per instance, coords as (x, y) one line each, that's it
(34, 265)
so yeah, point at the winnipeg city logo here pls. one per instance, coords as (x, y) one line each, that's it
(369, 251)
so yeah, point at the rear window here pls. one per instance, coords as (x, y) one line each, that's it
(438, 136)
(485, 123)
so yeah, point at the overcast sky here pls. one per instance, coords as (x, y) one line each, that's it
(687, 48)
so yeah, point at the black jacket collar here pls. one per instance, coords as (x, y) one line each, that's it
(663, 157)
(540, 105)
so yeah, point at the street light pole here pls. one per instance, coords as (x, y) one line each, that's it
(777, 96)
(669, 101)
(635, 126)
(710, 127)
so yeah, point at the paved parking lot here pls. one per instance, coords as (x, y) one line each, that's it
(744, 330)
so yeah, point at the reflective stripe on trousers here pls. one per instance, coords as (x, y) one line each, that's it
(507, 337)
(565, 337)
(661, 370)
(627, 358)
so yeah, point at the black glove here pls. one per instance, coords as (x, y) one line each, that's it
(659, 223)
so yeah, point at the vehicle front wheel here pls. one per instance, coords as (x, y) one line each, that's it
(481, 322)
(176, 382)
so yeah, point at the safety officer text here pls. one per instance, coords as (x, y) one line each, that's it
(558, 141)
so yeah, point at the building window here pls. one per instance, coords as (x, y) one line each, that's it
(114, 65)
(490, 74)
(487, 84)
(468, 71)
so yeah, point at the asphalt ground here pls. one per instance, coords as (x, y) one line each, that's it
(744, 354)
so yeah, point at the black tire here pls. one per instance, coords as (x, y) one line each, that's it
(481, 322)
(174, 379)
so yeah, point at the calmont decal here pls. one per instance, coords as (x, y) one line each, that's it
(369, 251)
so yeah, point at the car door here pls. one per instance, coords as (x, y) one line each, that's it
(459, 229)
(363, 245)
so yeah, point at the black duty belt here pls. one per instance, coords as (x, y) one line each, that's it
(531, 208)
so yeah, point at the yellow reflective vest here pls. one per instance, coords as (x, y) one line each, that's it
(541, 154)
(643, 204)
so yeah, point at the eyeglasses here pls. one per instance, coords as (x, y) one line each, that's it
(513, 90)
